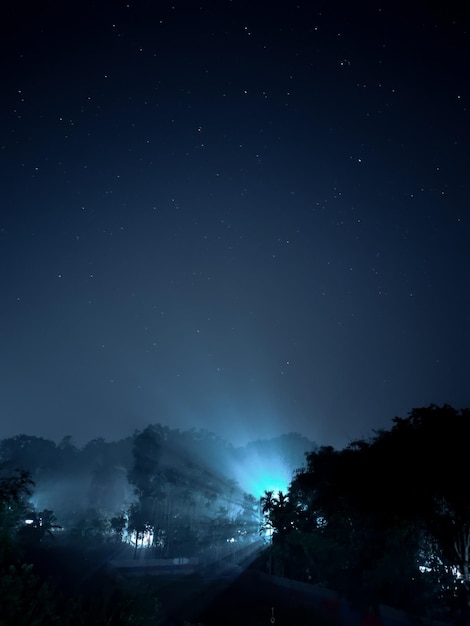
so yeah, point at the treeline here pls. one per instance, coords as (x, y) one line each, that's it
(65, 511)
(385, 520)
(171, 479)
(59, 585)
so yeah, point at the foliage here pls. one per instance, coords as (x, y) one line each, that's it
(15, 490)
(41, 524)
(383, 520)
(118, 524)
(33, 454)
(15, 487)
(25, 599)
(365, 518)
(144, 474)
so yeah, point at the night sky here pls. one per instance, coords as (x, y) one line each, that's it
(249, 217)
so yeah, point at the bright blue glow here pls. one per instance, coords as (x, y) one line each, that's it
(259, 474)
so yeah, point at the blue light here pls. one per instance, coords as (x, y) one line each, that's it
(259, 474)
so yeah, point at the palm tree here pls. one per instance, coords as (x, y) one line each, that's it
(268, 502)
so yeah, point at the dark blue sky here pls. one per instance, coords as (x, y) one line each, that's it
(232, 215)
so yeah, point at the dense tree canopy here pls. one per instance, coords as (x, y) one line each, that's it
(385, 519)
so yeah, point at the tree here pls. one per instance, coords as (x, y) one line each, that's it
(432, 447)
(139, 526)
(25, 599)
(145, 474)
(118, 524)
(15, 489)
(39, 524)
(380, 508)
(281, 517)
(34, 454)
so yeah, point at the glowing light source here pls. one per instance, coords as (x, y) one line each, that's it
(259, 473)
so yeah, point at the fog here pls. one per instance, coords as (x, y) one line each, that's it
(192, 488)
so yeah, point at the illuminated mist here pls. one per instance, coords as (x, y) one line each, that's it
(259, 473)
